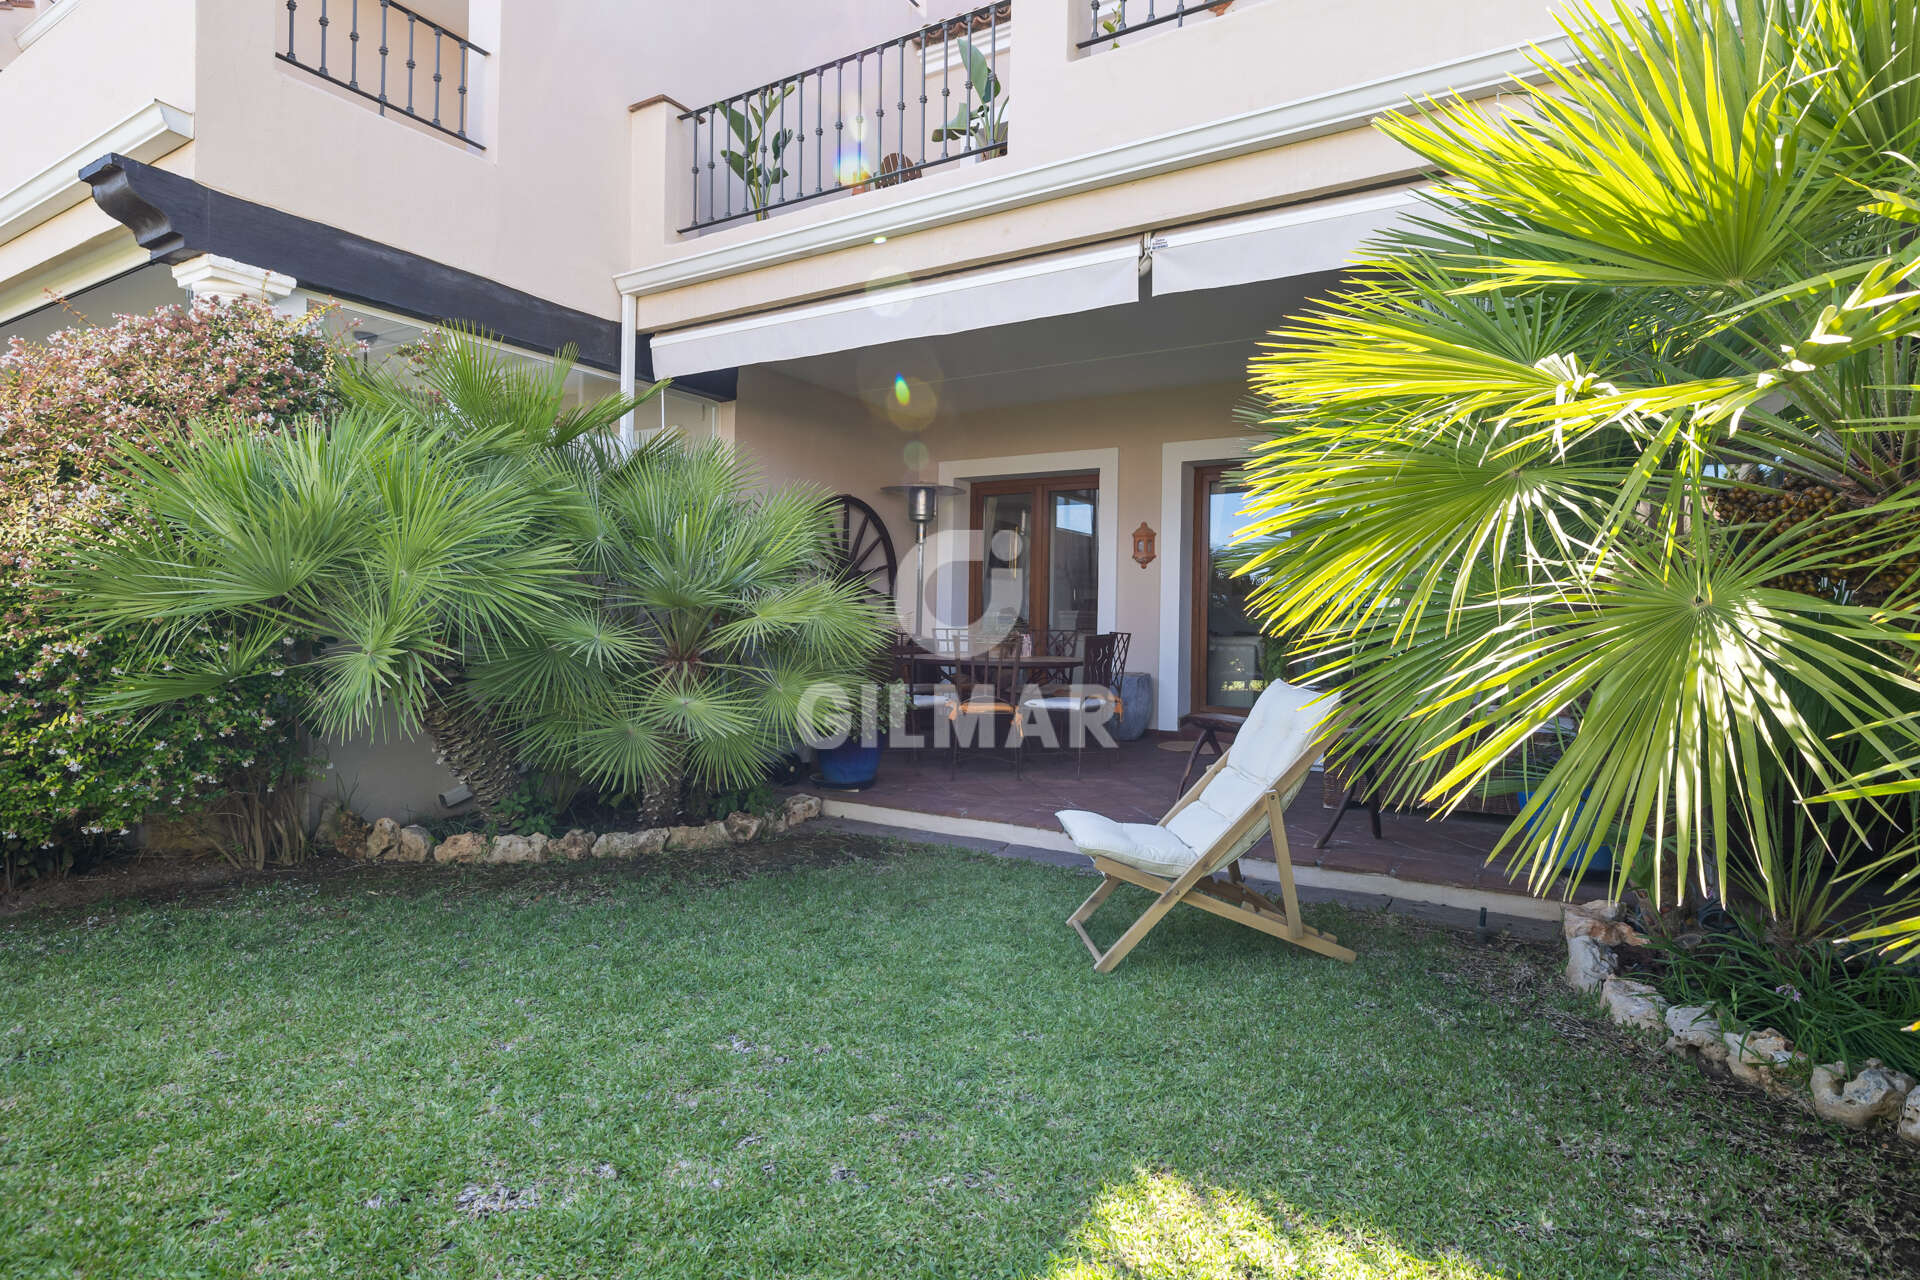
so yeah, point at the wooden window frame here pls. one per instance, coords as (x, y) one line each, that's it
(1040, 489)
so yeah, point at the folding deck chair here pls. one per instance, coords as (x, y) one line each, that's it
(1240, 798)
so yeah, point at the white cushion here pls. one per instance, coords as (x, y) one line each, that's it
(1063, 702)
(1138, 844)
(1280, 729)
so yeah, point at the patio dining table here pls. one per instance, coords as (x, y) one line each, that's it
(984, 669)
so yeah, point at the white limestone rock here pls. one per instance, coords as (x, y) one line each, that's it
(800, 808)
(711, 836)
(412, 844)
(1588, 964)
(381, 840)
(1631, 1003)
(468, 846)
(630, 844)
(1909, 1127)
(1875, 1094)
(573, 846)
(517, 849)
(1762, 1058)
(1696, 1033)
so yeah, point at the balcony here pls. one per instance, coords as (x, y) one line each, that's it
(872, 119)
(1112, 22)
(413, 68)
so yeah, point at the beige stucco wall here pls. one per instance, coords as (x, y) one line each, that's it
(795, 431)
(94, 68)
(1072, 109)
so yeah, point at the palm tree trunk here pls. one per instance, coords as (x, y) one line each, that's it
(472, 751)
(660, 796)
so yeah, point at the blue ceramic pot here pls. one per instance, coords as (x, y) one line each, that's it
(1136, 706)
(1567, 859)
(850, 766)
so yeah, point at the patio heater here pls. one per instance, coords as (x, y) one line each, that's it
(923, 504)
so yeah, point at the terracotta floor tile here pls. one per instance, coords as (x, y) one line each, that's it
(1137, 782)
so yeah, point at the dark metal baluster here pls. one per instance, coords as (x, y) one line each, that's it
(291, 6)
(778, 164)
(353, 49)
(965, 23)
(767, 192)
(946, 85)
(900, 61)
(384, 6)
(695, 184)
(879, 107)
(839, 110)
(728, 182)
(323, 37)
(1180, 13)
(411, 64)
(860, 116)
(799, 153)
(713, 126)
(463, 89)
(924, 137)
(436, 75)
(1094, 5)
(819, 128)
(993, 68)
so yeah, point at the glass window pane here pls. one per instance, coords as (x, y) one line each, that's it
(1006, 523)
(1236, 652)
(1073, 580)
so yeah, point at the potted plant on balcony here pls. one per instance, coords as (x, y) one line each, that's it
(756, 158)
(983, 126)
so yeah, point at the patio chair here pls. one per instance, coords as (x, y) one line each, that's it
(1103, 662)
(984, 687)
(1243, 796)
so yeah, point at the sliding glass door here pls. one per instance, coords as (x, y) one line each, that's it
(1230, 658)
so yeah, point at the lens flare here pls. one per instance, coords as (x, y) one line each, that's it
(902, 393)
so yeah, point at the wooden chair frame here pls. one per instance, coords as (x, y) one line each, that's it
(1197, 887)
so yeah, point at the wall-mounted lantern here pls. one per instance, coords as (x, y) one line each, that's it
(1143, 551)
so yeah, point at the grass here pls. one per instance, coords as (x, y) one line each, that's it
(899, 1065)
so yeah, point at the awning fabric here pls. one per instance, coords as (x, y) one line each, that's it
(1271, 246)
(1054, 285)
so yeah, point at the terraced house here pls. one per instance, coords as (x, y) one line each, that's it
(1015, 252)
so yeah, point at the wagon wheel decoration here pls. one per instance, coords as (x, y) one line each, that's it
(862, 550)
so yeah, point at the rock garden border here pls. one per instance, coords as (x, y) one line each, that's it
(389, 841)
(1874, 1096)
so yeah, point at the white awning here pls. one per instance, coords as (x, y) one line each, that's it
(1271, 246)
(1055, 285)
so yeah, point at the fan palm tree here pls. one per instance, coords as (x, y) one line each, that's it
(714, 637)
(388, 549)
(1621, 435)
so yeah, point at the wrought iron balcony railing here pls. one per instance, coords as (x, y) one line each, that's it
(408, 68)
(875, 118)
(1112, 23)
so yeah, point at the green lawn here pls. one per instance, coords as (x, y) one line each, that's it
(900, 1065)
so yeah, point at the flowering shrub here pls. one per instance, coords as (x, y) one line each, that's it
(70, 776)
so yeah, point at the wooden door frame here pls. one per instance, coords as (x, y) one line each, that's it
(1039, 487)
(1199, 575)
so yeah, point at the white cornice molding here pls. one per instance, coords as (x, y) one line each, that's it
(1282, 124)
(45, 22)
(146, 135)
